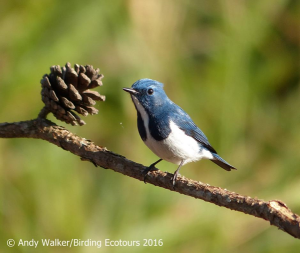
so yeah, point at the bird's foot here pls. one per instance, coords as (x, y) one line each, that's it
(174, 179)
(147, 170)
(150, 168)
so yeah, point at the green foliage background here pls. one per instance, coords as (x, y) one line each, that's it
(232, 65)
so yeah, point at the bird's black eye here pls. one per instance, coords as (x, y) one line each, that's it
(150, 91)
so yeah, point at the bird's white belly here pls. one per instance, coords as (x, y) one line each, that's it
(177, 147)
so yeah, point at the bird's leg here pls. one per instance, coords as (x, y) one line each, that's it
(150, 168)
(176, 173)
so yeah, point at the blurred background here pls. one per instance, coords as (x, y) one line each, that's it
(234, 66)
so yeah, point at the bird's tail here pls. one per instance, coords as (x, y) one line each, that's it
(222, 163)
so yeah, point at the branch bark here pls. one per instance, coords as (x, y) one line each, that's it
(274, 211)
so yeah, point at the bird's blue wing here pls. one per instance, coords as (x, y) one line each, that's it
(185, 123)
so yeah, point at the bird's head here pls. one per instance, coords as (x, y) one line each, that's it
(148, 93)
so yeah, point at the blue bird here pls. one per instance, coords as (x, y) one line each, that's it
(168, 130)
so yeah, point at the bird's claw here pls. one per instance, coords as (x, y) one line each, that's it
(147, 170)
(174, 178)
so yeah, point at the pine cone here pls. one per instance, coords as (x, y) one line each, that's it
(66, 90)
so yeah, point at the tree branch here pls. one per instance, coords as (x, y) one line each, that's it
(274, 211)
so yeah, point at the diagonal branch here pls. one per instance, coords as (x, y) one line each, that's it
(276, 212)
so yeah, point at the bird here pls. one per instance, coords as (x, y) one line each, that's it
(167, 130)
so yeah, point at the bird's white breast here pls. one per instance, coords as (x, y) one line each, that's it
(177, 146)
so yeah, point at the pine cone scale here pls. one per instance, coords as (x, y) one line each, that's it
(53, 96)
(67, 103)
(84, 81)
(74, 94)
(94, 95)
(61, 84)
(45, 82)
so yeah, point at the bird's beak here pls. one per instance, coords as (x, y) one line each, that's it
(131, 91)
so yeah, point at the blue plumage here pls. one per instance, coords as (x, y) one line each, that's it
(168, 130)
